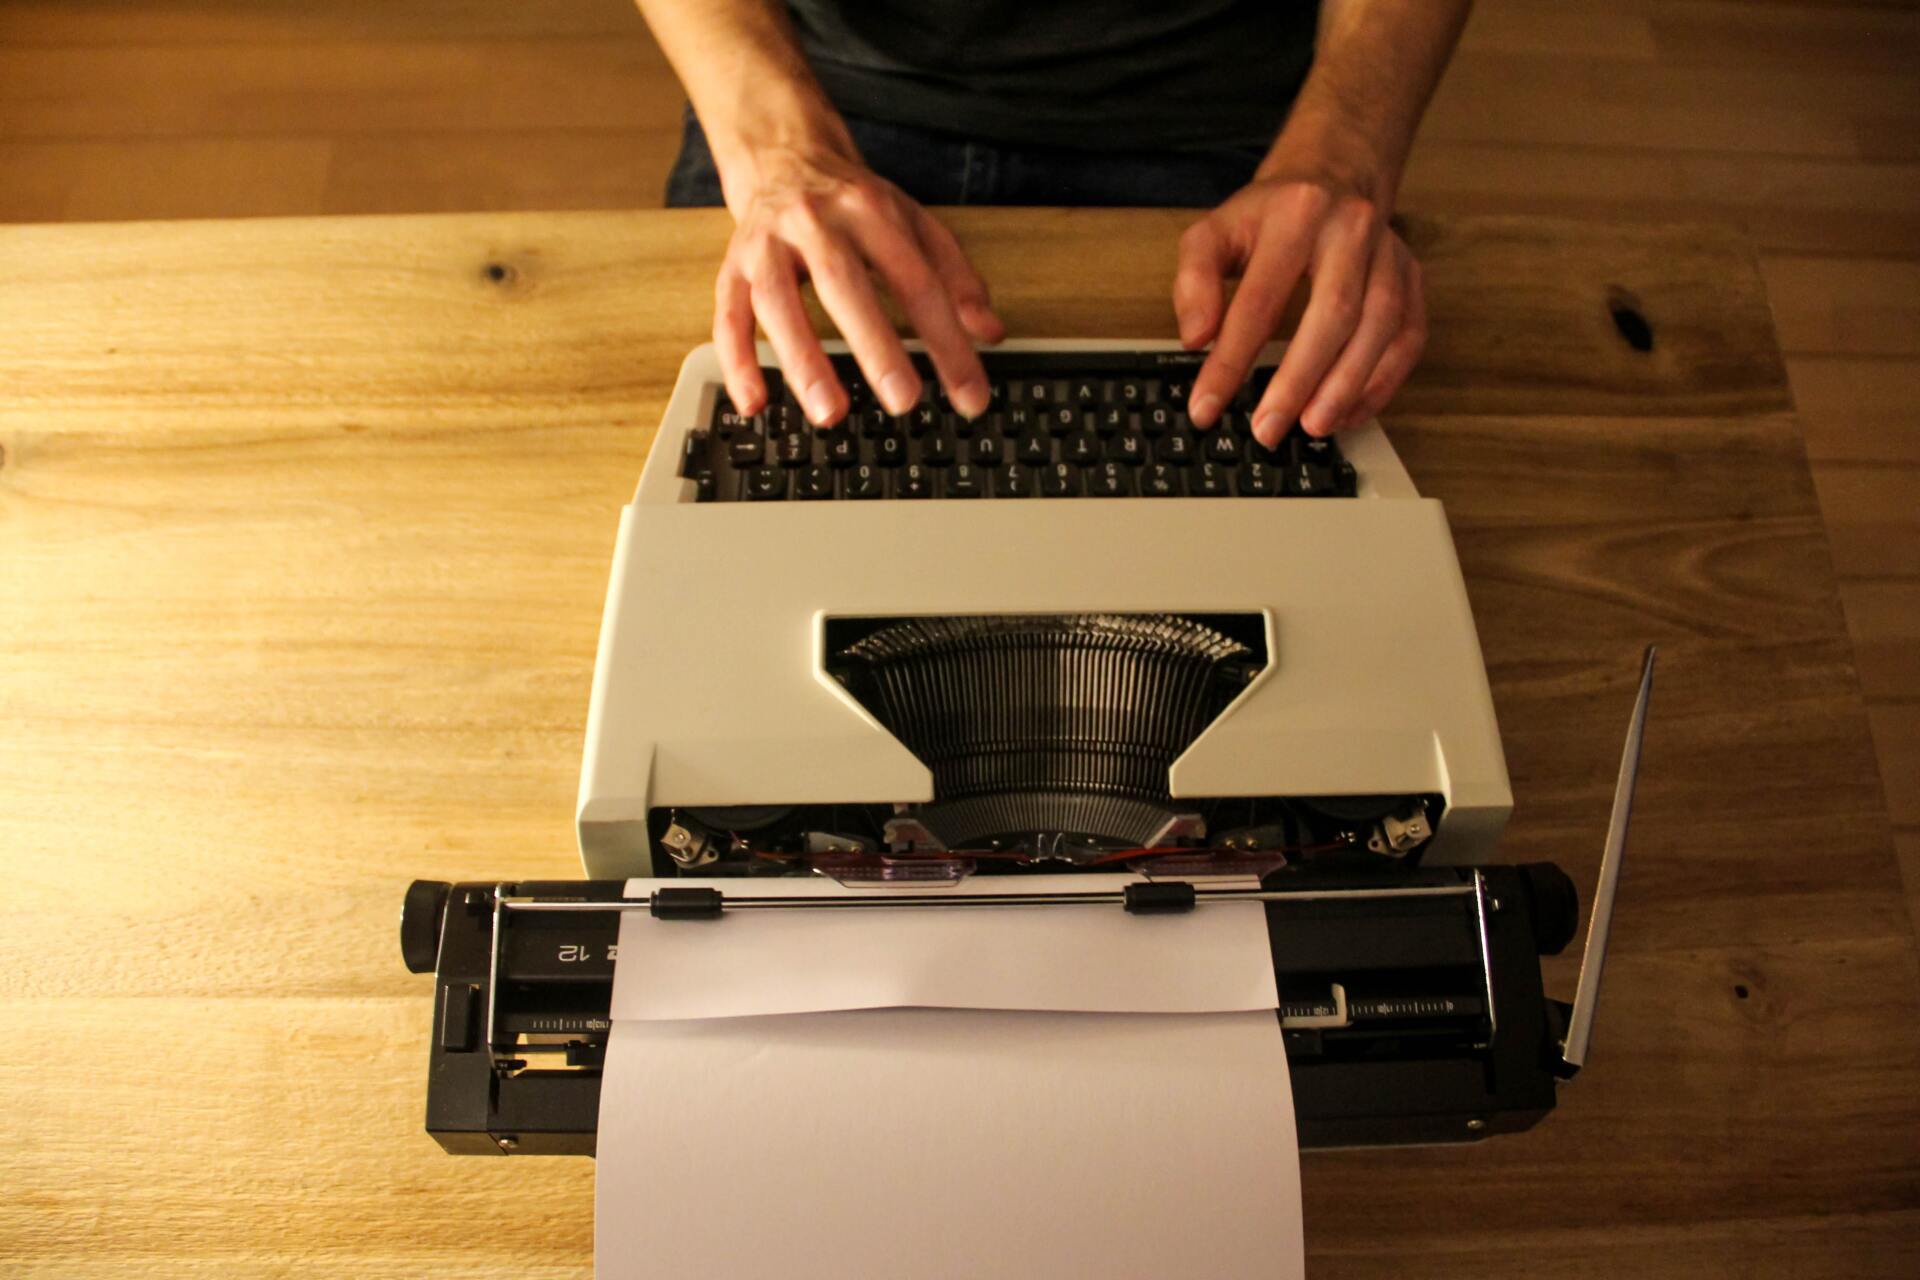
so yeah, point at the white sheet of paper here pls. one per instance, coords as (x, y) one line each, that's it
(1087, 958)
(938, 1143)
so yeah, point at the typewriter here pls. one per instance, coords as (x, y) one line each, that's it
(1076, 635)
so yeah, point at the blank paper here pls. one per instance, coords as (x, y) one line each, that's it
(948, 1143)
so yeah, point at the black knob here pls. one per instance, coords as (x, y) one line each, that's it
(420, 916)
(1555, 906)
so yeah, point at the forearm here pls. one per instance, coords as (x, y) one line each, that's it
(1376, 67)
(749, 82)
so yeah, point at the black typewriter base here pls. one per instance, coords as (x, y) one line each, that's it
(1448, 1036)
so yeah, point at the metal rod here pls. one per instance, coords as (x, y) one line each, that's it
(1593, 960)
(1097, 898)
(1486, 948)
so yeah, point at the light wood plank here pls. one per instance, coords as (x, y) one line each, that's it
(1524, 27)
(408, 86)
(1845, 306)
(1805, 204)
(600, 280)
(201, 22)
(1573, 100)
(551, 169)
(1771, 37)
(164, 178)
(1896, 737)
(1858, 410)
(1873, 518)
(1907, 842)
(1884, 620)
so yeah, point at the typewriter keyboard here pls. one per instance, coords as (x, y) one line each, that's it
(1061, 425)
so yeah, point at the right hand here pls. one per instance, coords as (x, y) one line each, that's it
(830, 219)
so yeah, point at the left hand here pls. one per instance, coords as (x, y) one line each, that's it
(1365, 323)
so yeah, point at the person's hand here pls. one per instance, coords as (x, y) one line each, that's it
(830, 219)
(1365, 323)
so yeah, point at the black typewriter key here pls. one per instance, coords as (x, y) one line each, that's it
(914, 480)
(1304, 480)
(1110, 480)
(987, 449)
(705, 490)
(726, 421)
(890, 450)
(1019, 420)
(1064, 419)
(1346, 481)
(1130, 392)
(937, 448)
(922, 420)
(695, 451)
(1209, 480)
(1037, 392)
(841, 447)
(1176, 393)
(1110, 419)
(966, 481)
(1061, 480)
(764, 484)
(813, 482)
(746, 450)
(1013, 481)
(1129, 447)
(1274, 457)
(1036, 450)
(1258, 480)
(1222, 446)
(1158, 419)
(1085, 391)
(1161, 480)
(1177, 447)
(794, 448)
(1318, 451)
(1080, 447)
(874, 422)
(865, 481)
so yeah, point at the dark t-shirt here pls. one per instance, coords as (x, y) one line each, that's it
(1095, 74)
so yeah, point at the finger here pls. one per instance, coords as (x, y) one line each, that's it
(1381, 315)
(1200, 282)
(1400, 357)
(733, 341)
(783, 314)
(912, 281)
(1273, 269)
(840, 279)
(1343, 255)
(964, 284)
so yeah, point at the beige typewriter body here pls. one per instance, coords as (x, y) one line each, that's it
(710, 685)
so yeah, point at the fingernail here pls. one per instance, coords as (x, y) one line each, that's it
(897, 391)
(1268, 428)
(971, 398)
(979, 319)
(1206, 408)
(820, 401)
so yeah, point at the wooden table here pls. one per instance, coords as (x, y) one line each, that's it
(304, 530)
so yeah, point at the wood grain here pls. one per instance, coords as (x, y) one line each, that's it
(308, 524)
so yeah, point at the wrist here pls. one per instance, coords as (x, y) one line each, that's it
(1333, 149)
(766, 141)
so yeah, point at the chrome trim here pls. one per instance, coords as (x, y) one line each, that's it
(1593, 960)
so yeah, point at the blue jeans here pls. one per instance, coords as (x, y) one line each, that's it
(938, 168)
